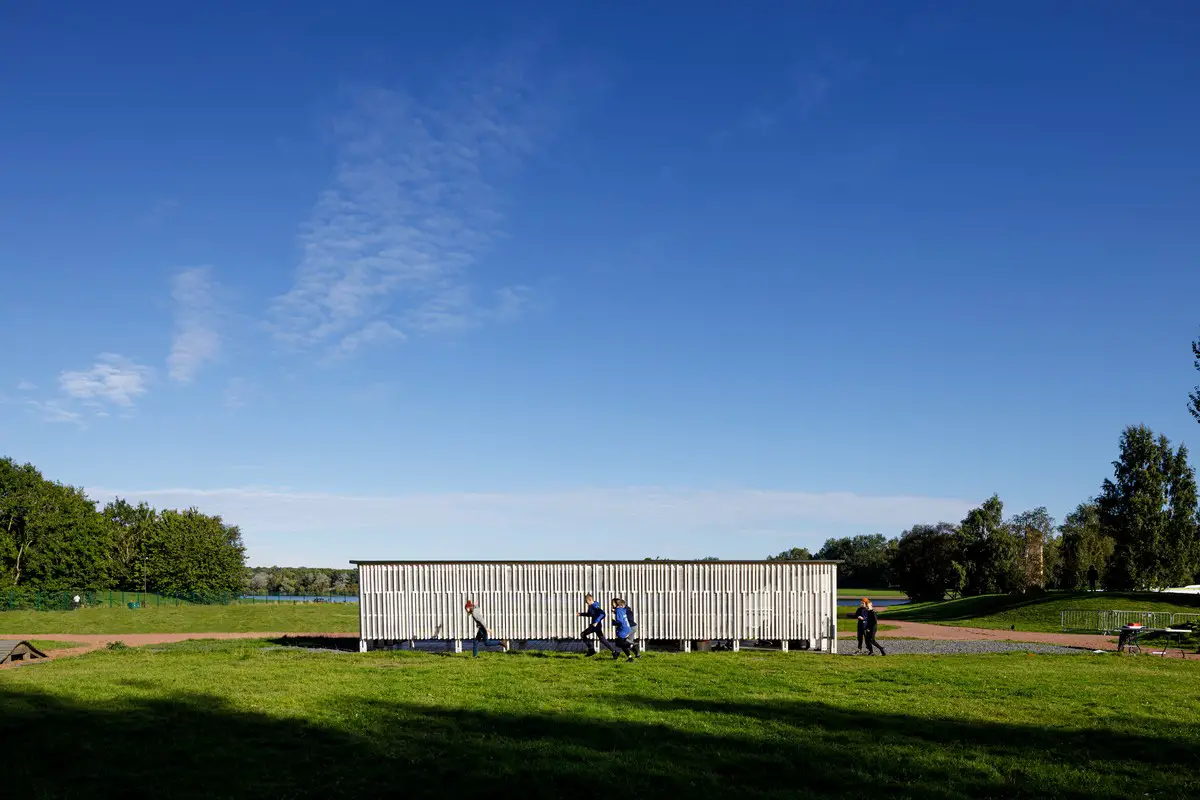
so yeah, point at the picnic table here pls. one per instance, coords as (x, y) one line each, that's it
(1130, 634)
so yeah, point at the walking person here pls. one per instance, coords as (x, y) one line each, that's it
(481, 633)
(871, 627)
(860, 614)
(1093, 574)
(595, 615)
(621, 622)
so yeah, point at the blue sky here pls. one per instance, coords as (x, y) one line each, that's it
(579, 280)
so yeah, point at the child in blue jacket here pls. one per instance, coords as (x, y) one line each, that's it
(595, 615)
(621, 621)
(633, 631)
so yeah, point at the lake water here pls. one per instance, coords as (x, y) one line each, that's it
(881, 603)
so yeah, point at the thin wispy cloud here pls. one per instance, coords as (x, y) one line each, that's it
(415, 202)
(196, 341)
(812, 83)
(25, 386)
(242, 392)
(549, 524)
(237, 393)
(457, 309)
(52, 411)
(377, 332)
(113, 379)
(805, 87)
(159, 212)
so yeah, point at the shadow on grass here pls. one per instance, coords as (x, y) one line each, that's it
(341, 644)
(199, 746)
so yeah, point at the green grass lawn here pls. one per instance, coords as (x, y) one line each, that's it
(1037, 612)
(233, 719)
(46, 645)
(302, 618)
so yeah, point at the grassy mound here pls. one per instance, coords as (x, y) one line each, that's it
(241, 719)
(1041, 612)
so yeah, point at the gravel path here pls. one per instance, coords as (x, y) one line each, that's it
(925, 630)
(946, 647)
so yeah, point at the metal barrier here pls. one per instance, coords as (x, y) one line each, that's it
(1149, 619)
(1081, 619)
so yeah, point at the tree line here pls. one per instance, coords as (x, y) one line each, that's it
(54, 538)
(1142, 531)
(301, 581)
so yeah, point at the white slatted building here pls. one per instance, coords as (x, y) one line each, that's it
(680, 601)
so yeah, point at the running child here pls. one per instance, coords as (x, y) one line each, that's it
(596, 616)
(633, 631)
(621, 622)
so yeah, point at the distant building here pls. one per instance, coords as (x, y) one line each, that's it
(793, 603)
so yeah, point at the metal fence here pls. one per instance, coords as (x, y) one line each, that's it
(72, 599)
(1079, 619)
(27, 600)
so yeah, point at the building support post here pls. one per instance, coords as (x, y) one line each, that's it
(737, 645)
(783, 645)
(362, 645)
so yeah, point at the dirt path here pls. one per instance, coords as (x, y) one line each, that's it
(914, 630)
(93, 641)
(925, 630)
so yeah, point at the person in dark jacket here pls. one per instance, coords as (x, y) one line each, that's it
(481, 633)
(595, 615)
(621, 622)
(1093, 575)
(872, 627)
(860, 614)
(633, 631)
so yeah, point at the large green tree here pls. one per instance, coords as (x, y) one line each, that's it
(794, 554)
(1084, 545)
(131, 526)
(866, 559)
(192, 553)
(51, 537)
(1194, 405)
(22, 501)
(1036, 564)
(926, 564)
(989, 550)
(75, 547)
(1149, 508)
